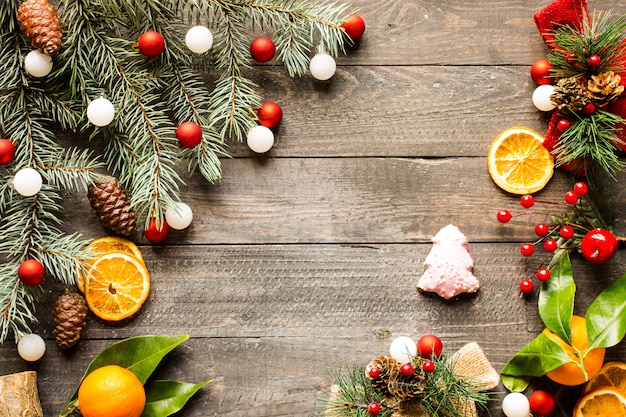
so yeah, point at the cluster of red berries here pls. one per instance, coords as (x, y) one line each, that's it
(597, 245)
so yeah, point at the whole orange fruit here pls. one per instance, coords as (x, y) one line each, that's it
(582, 357)
(111, 391)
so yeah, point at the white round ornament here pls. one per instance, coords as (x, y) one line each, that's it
(403, 349)
(27, 182)
(31, 347)
(541, 97)
(100, 112)
(199, 39)
(37, 64)
(260, 139)
(179, 217)
(516, 404)
(322, 66)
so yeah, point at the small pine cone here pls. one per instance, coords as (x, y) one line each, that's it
(570, 93)
(110, 203)
(604, 87)
(389, 369)
(70, 313)
(406, 387)
(40, 23)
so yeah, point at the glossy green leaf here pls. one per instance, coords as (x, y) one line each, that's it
(556, 299)
(538, 357)
(606, 316)
(164, 398)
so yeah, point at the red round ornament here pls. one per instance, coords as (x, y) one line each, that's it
(151, 44)
(428, 367)
(598, 246)
(540, 71)
(541, 403)
(563, 125)
(589, 109)
(154, 234)
(31, 272)
(354, 26)
(7, 151)
(189, 134)
(526, 286)
(429, 346)
(373, 408)
(270, 114)
(407, 369)
(594, 62)
(262, 49)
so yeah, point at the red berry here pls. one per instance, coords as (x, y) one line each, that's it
(589, 109)
(571, 197)
(429, 346)
(594, 62)
(151, 44)
(543, 274)
(527, 201)
(154, 234)
(581, 188)
(526, 286)
(566, 232)
(374, 372)
(540, 71)
(563, 125)
(527, 249)
(428, 367)
(571, 58)
(541, 403)
(262, 49)
(550, 245)
(598, 246)
(541, 229)
(7, 151)
(31, 272)
(269, 114)
(504, 216)
(407, 369)
(354, 26)
(373, 408)
(189, 134)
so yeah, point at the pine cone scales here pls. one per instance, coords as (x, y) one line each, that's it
(110, 203)
(40, 23)
(70, 314)
(570, 93)
(605, 87)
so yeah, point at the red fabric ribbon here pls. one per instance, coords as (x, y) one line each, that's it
(572, 13)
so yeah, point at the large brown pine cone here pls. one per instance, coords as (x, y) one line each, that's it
(70, 314)
(110, 203)
(605, 87)
(40, 23)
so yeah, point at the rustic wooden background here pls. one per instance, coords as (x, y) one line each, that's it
(307, 259)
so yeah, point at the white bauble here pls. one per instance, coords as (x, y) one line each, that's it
(31, 347)
(260, 139)
(199, 39)
(541, 97)
(403, 349)
(37, 64)
(179, 217)
(516, 404)
(100, 112)
(27, 182)
(322, 66)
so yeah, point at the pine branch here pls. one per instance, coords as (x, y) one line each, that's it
(72, 169)
(16, 303)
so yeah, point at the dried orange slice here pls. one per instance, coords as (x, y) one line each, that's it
(518, 162)
(607, 401)
(118, 286)
(612, 374)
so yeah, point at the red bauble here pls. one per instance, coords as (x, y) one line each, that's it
(262, 49)
(189, 134)
(151, 44)
(598, 246)
(563, 125)
(429, 346)
(373, 408)
(270, 114)
(407, 369)
(428, 367)
(540, 71)
(594, 62)
(7, 151)
(541, 403)
(354, 26)
(31, 272)
(155, 235)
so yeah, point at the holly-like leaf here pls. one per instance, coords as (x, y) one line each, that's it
(164, 398)
(537, 358)
(556, 299)
(606, 316)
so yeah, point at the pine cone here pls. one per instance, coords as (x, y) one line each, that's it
(403, 387)
(40, 23)
(389, 369)
(570, 93)
(110, 203)
(70, 313)
(604, 87)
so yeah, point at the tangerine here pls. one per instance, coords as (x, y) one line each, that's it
(111, 391)
(607, 401)
(612, 374)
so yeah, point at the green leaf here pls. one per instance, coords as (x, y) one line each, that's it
(164, 398)
(537, 358)
(556, 299)
(606, 316)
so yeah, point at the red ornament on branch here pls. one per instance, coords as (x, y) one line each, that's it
(189, 134)
(269, 114)
(155, 234)
(540, 71)
(262, 49)
(7, 151)
(354, 27)
(31, 272)
(151, 44)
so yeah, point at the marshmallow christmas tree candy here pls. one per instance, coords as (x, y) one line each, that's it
(449, 265)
